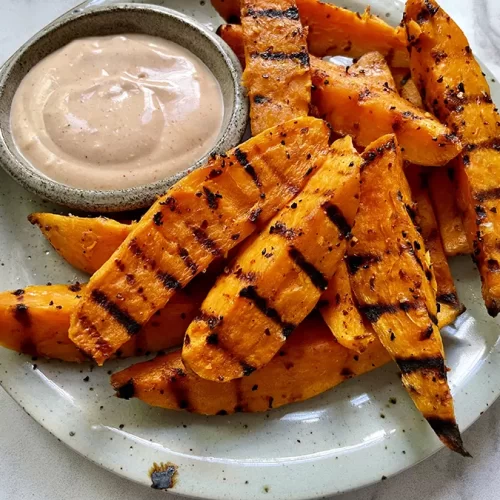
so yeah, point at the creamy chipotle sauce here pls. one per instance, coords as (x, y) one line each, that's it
(114, 112)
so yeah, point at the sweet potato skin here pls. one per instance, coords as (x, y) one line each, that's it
(84, 242)
(340, 312)
(354, 104)
(232, 34)
(276, 73)
(35, 321)
(444, 67)
(450, 306)
(278, 278)
(394, 286)
(353, 35)
(310, 362)
(200, 219)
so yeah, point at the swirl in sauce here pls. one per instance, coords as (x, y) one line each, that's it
(114, 112)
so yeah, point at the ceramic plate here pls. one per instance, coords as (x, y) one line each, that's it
(346, 438)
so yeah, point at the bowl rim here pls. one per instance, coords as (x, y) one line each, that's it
(119, 200)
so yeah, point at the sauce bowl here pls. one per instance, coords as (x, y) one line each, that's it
(109, 20)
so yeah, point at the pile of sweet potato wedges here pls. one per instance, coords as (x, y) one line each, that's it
(311, 253)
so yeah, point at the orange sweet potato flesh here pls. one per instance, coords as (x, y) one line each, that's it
(340, 312)
(278, 278)
(406, 86)
(443, 192)
(276, 74)
(394, 286)
(336, 31)
(366, 109)
(450, 306)
(35, 321)
(84, 242)
(198, 220)
(232, 34)
(311, 362)
(456, 91)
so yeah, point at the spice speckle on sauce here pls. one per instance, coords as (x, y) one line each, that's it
(116, 112)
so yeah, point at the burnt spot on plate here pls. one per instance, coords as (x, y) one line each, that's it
(163, 475)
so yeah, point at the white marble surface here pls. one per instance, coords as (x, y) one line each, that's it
(34, 465)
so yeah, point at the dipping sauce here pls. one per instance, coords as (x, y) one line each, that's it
(117, 111)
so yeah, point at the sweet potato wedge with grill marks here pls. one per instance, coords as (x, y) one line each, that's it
(276, 281)
(35, 321)
(199, 219)
(84, 242)
(365, 109)
(443, 192)
(394, 287)
(449, 306)
(340, 312)
(337, 31)
(232, 34)
(276, 72)
(457, 92)
(310, 362)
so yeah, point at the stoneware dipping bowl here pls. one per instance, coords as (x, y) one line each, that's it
(108, 20)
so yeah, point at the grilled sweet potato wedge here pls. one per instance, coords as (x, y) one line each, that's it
(394, 287)
(276, 72)
(199, 219)
(449, 306)
(337, 31)
(84, 242)
(340, 312)
(456, 91)
(35, 321)
(443, 192)
(232, 34)
(276, 281)
(311, 362)
(355, 105)
(406, 86)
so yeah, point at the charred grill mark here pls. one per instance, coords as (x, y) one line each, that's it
(433, 364)
(19, 292)
(22, 315)
(427, 333)
(373, 312)
(242, 159)
(168, 281)
(455, 100)
(260, 302)
(124, 319)
(100, 344)
(334, 213)
(212, 198)
(354, 262)
(487, 194)
(427, 12)
(75, 287)
(449, 298)
(190, 263)
(488, 144)
(302, 57)
(126, 391)
(282, 230)
(171, 203)
(316, 277)
(206, 242)
(291, 13)
(447, 430)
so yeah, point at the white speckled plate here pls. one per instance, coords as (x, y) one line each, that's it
(346, 438)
